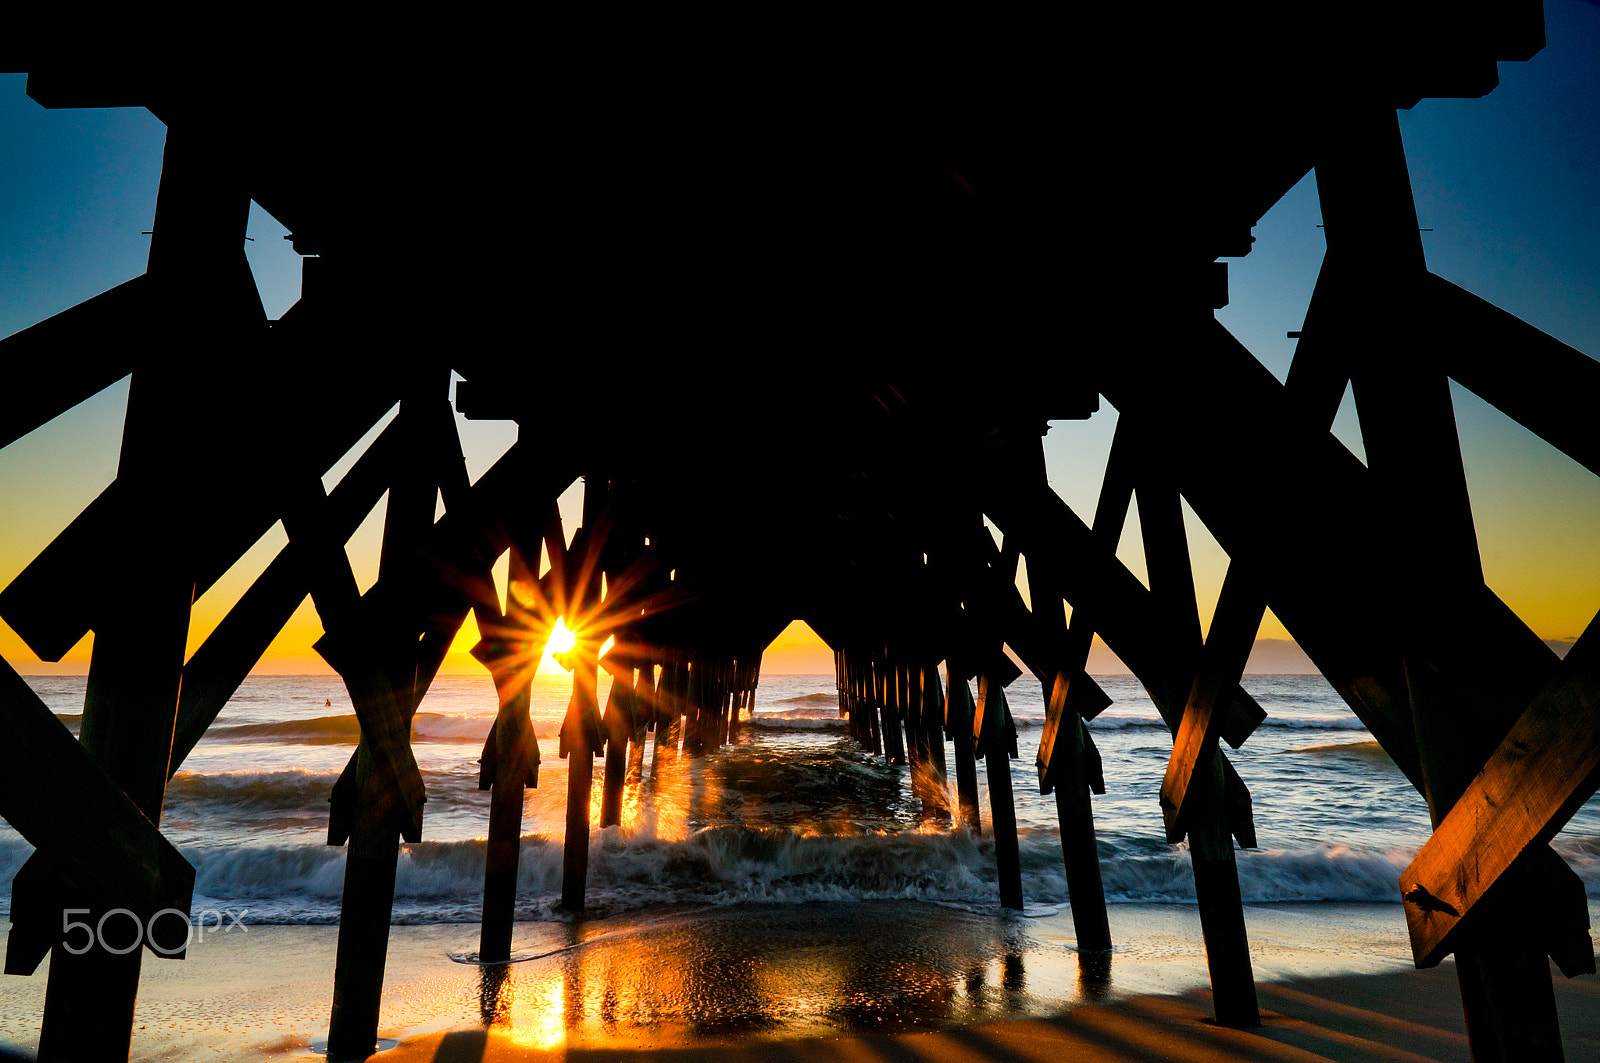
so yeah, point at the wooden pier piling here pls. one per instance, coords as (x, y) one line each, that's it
(932, 721)
(579, 741)
(618, 727)
(1079, 853)
(958, 724)
(995, 736)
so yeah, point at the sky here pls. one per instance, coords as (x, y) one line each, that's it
(1509, 186)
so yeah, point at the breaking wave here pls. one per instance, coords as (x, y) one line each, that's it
(425, 727)
(443, 881)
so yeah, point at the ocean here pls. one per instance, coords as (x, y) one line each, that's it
(793, 812)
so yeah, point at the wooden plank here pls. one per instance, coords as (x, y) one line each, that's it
(56, 364)
(1227, 650)
(65, 804)
(1541, 773)
(1544, 385)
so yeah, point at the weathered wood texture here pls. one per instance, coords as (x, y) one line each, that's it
(1541, 773)
(1227, 650)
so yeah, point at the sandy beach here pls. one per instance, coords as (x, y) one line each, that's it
(899, 981)
(1402, 1016)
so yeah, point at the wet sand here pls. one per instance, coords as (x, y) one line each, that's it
(848, 981)
(1401, 1016)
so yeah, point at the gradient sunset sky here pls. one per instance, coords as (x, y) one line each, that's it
(1509, 185)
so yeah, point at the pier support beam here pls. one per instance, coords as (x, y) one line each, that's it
(579, 733)
(958, 715)
(516, 766)
(1409, 428)
(511, 648)
(996, 736)
(131, 702)
(129, 712)
(618, 727)
(1079, 854)
(931, 720)
(386, 670)
(894, 747)
(1216, 877)
(643, 719)
(366, 908)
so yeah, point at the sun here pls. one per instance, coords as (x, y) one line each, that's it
(562, 640)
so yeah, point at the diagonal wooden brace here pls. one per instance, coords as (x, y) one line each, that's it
(1240, 608)
(64, 359)
(232, 649)
(1119, 603)
(1539, 775)
(61, 800)
(356, 653)
(43, 604)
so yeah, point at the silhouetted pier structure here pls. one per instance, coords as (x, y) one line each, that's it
(870, 286)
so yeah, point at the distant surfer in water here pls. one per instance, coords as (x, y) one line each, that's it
(327, 703)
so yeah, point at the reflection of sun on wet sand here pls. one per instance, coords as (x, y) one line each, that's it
(915, 982)
(1403, 1015)
(715, 976)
